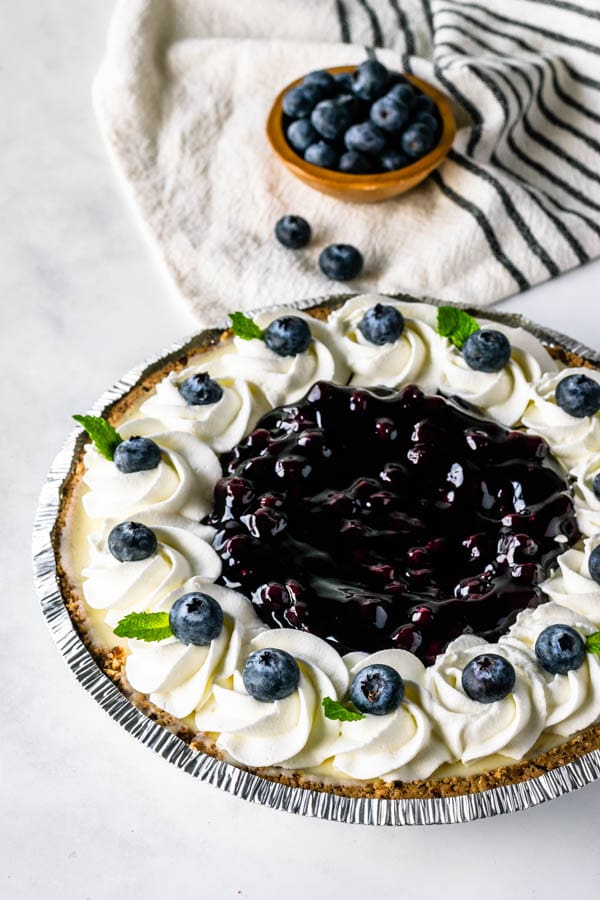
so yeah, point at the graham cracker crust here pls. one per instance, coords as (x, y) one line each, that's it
(111, 661)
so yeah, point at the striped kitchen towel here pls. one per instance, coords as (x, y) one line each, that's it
(182, 98)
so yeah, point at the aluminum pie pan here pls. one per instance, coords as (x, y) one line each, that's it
(302, 801)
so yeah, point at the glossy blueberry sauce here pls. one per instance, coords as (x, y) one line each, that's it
(377, 518)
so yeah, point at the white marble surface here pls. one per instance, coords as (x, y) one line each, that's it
(87, 812)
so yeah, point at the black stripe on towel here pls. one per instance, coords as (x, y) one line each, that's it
(488, 231)
(543, 32)
(568, 7)
(342, 14)
(375, 26)
(409, 38)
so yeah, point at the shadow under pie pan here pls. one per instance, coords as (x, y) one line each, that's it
(510, 788)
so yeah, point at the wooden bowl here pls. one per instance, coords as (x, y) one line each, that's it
(362, 188)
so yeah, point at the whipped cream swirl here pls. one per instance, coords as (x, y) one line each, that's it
(572, 440)
(293, 732)
(183, 551)
(415, 358)
(572, 586)
(474, 730)
(282, 379)
(179, 677)
(221, 425)
(587, 504)
(401, 745)
(503, 395)
(573, 700)
(181, 484)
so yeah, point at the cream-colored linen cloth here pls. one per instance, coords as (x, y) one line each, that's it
(182, 97)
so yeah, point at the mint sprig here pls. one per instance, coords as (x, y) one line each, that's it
(106, 438)
(145, 626)
(244, 327)
(455, 324)
(592, 644)
(333, 709)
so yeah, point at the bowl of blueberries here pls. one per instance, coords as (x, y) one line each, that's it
(361, 133)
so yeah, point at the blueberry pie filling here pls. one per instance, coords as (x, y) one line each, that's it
(381, 519)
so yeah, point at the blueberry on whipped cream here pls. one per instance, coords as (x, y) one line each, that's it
(270, 674)
(488, 678)
(287, 336)
(486, 351)
(136, 454)
(381, 324)
(377, 689)
(578, 395)
(200, 390)
(196, 618)
(131, 542)
(560, 649)
(594, 564)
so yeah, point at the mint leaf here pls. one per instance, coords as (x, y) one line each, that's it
(455, 324)
(106, 439)
(243, 327)
(145, 626)
(335, 710)
(592, 644)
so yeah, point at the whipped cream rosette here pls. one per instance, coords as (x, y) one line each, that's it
(572, 586)
(573, 700)
(293, 732)
(183, 550)
(281, 379)
(178, 677)
(587, 504)
(572, 440)
(414, 358)
(181, 484)
(503, 395)
(220, 425)
(473, 730)
(400, 745)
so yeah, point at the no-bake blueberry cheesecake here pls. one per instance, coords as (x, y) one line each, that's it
(356, 549)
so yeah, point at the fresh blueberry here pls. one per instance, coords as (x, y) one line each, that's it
(196, 618)
(381, 324)
(200, 390)
(131, 541)
(417, 140)
(321, 154)
(293, 232)
(389, 114)
(429, 121)
(270, 675)
(357, 108)
(377, 690)
(370, 80)
(322, 80)
(578, 395)
(560, 649)
(331, 119)
(402, 93)
(287, 336)
(300, 101)
(594, 564)
(341, 262)
(301, 135)
(486, 351)
(423, 103)
(136, 454)
(366, 138)
(488, 678)
(353, 161)
(392, 159)
(596, 486)
(343, 82)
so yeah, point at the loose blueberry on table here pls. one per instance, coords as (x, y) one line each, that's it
(293, 232)
(341, 262)
(367, 121)
(377, 518)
